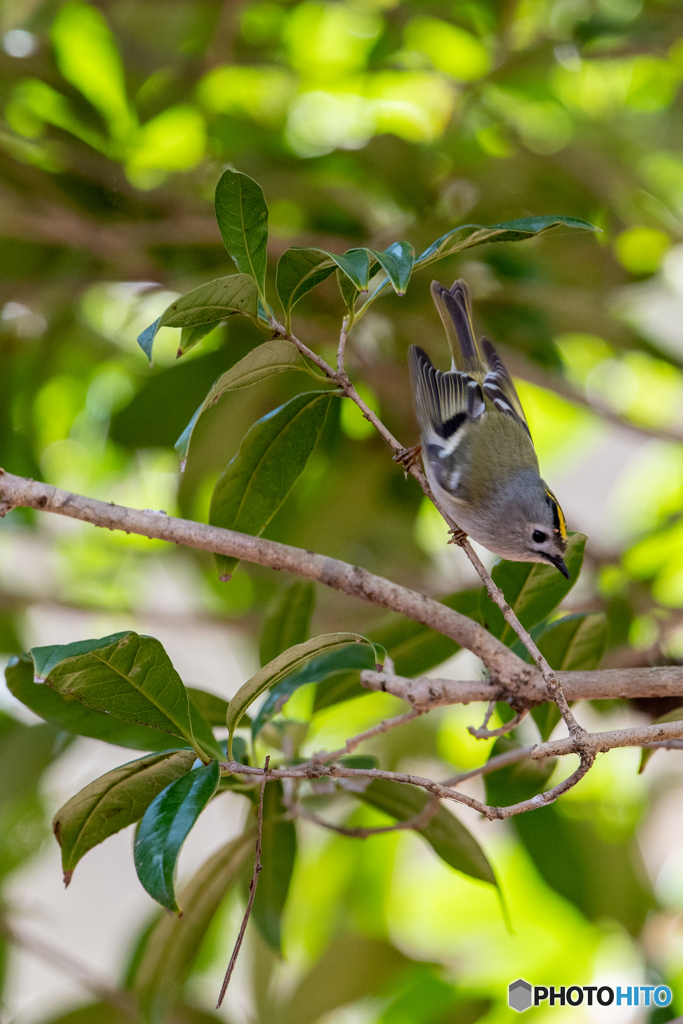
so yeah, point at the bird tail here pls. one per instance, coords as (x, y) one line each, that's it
(456, 315)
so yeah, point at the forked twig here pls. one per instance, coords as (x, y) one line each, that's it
(258, 867)
(482, 733)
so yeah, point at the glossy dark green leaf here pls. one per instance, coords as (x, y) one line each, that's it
(202, 309)
(165, 827)
(263, 361)
(332, 663)
(352, 967)
(210, 706)
(348, 291)
(516, 782)
(272, 457)
(113, 802)
(288, 621)
(174, 944)
(299, 271)
(397, 262)
(242, 217)
(126, 675)
(278, 852)
(74, 717)
(286, 663)
(592, 863)
(533, 590)
(445, 833)
(466, 236)
(203, 733)
(574, 643)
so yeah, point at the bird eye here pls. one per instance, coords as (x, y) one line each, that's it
(538, 536)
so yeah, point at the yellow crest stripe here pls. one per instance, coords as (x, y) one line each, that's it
(560, 520)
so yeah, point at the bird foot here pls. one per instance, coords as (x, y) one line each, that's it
(408, 457)
(458, 536)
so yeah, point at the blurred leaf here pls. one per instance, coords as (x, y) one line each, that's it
(646, 753)
(272, 457)
(445, 833)
(351, 968)
(204, 307)
(397, 262)
(211, 707)
(175, 942)
(73, 716)
(242, 217)
(25, 753)
(319, 670)
(165, 827)
(288, 621)
(573, 643)
(516, 782)
(468, 235)
(603, 877)
(113, 802)
(127, 675)
(531, 589)
(10, 641)
(286, 663)
(278, 852)
(262, 362)
(424, 998)
(105, 1013)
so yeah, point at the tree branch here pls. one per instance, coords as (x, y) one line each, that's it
(420, 820)
(349, 579)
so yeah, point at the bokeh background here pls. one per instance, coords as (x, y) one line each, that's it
(365, 123)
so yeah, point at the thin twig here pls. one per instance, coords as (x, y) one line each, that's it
(252, 890)
(492, 765)
(417, 822)
(343, 335)
(482, 733)
(389, 723)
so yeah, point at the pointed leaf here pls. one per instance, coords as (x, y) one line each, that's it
(113, 802)
(278, 852)
(516, 782)
(126, 675)
(272, 457)
(73, 716)
(165, 827)
(204, 307)
(175, 943)
(190, 336)
(288, 620)
(357, 266)
(397, 262)
(466, 236)
(242, 217)
(286, 663)
(445, 833)
(299, 271)
(333, 663)
(531, 589)
(262, 362)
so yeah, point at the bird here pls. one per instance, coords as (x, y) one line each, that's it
(477, 450)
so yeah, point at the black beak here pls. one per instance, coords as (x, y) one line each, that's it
(558, 562)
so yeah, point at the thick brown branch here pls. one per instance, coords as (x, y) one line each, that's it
(599, 742)
(349, 579)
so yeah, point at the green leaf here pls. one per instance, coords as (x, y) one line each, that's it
(74, 717)
(211, 707)
(397, 263)
(204, 308)
(165, 827)
(532, 590)
(288, 621)
(113, 802)
(352, 967)
(263, 361)
(299, 270)
(286, 663)
(318, 670)
(203, 733)
(573, 643)
(175, 942)
(466, 236)
(646, 753)
(25, 753)
(126, 675)
(278, 852)
(348, 291)
(445, 833)
(516, 782)
(271, 459)
(242, 217)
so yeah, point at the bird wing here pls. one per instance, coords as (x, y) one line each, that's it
(445, 402)
(498, 387)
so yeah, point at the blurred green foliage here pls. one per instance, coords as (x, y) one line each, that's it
(364, 123)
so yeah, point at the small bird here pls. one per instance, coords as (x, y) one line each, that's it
(476, 445)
